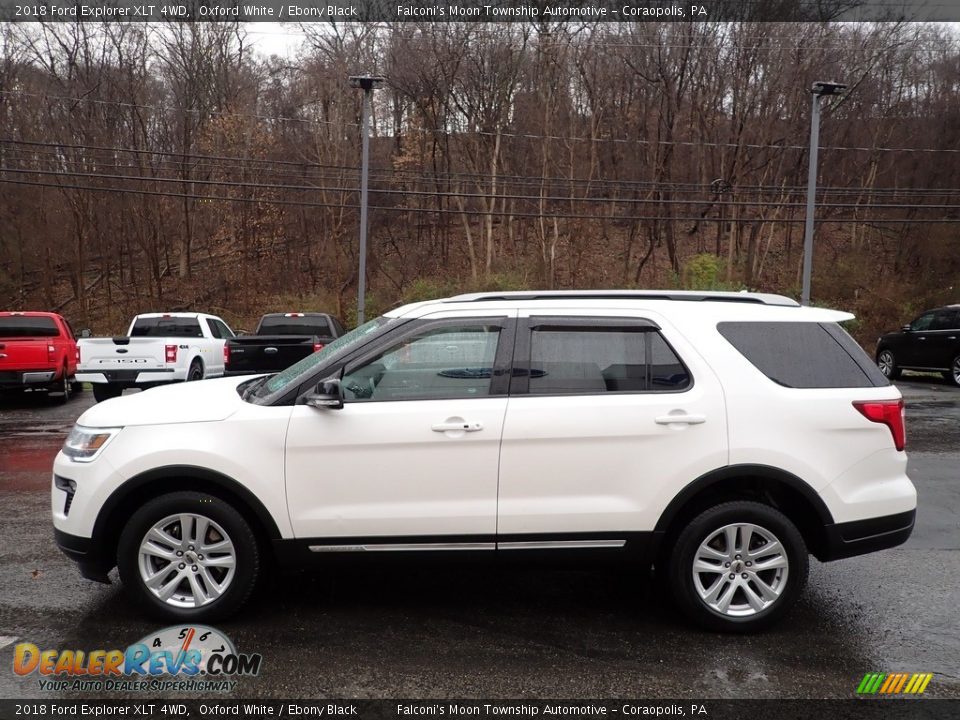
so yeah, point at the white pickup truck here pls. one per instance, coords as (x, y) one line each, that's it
(158, 348)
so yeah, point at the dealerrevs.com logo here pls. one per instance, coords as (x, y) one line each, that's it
(192, 657)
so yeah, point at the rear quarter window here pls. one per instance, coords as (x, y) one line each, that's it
(803, 354)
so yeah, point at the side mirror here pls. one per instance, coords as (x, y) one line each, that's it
(906, 328)
(328, 395)
(85, 333)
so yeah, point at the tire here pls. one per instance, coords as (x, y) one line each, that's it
(766, 595)
(217, 588)
(102, 391)
(76, 387)
(195, 372)
(888, 364)
(64, 387)
(954, 374)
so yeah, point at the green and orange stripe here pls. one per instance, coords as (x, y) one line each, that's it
(894, 683)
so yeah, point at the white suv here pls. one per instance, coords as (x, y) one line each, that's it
(720, 437)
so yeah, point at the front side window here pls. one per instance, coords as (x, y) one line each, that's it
(598, 359)
(225, 332)
(923, 322)
(448, 361)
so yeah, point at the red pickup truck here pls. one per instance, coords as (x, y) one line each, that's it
(38, 351)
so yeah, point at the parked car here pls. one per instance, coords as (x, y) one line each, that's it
(158, 348)
(280, 340)
(38, 351)
(931, 342)
(720, 437)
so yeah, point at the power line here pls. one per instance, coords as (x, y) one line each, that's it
(495, 213)
(526, 136)
(400, 175)
(484, 196)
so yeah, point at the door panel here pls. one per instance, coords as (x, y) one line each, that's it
(415, 450)
(607, 460)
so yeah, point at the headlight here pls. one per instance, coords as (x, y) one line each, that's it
(84, 444)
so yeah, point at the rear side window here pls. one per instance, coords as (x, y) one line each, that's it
(597, 359)
(280, 325)
(21, 326)
(946, 320)
(167, 327)
(803, 354)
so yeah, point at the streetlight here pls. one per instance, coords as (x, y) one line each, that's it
(820, 89)
(367, 83)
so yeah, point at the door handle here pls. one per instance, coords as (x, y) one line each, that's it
(952, 337)
(457, 425)
(681, 419)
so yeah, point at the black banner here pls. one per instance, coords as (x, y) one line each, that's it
(854, 709)
(539, 11)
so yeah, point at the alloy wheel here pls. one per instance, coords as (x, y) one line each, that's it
(740, 570)
(187, 560)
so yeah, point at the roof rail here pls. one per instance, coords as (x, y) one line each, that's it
(686, 295)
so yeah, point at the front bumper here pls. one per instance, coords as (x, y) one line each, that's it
(859, 537)
(94, 564)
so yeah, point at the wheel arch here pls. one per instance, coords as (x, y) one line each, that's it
(770, 485)
(159, 481)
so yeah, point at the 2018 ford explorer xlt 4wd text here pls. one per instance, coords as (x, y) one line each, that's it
(718, 437)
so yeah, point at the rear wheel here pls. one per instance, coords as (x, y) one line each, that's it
(954, 374)
(76, 387)
(888, 364)
(105, 391)
(188, 556)
(196, 371)
(738, 567)
(64, 387)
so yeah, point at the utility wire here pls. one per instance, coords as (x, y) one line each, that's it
(495, 213)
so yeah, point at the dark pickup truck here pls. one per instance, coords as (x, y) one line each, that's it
(280, 340)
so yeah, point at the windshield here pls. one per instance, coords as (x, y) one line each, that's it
(283, 380)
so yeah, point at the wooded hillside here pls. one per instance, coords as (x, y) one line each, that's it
(149, 167)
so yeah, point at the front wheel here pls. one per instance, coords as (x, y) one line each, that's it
(738, 567)
(188, 556)
(888, 365)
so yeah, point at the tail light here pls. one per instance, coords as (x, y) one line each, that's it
(317, 347)
(78, 354)
(889, 413)
(226, 354)
(170, 353)
(51, 353)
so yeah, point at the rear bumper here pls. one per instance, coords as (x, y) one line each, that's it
(848, 539)
(92, 561)
(26, 378)
(130, 378)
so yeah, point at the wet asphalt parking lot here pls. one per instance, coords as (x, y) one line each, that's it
(488, 632)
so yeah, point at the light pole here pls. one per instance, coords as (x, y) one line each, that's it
(820, 89)
(367, 83)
